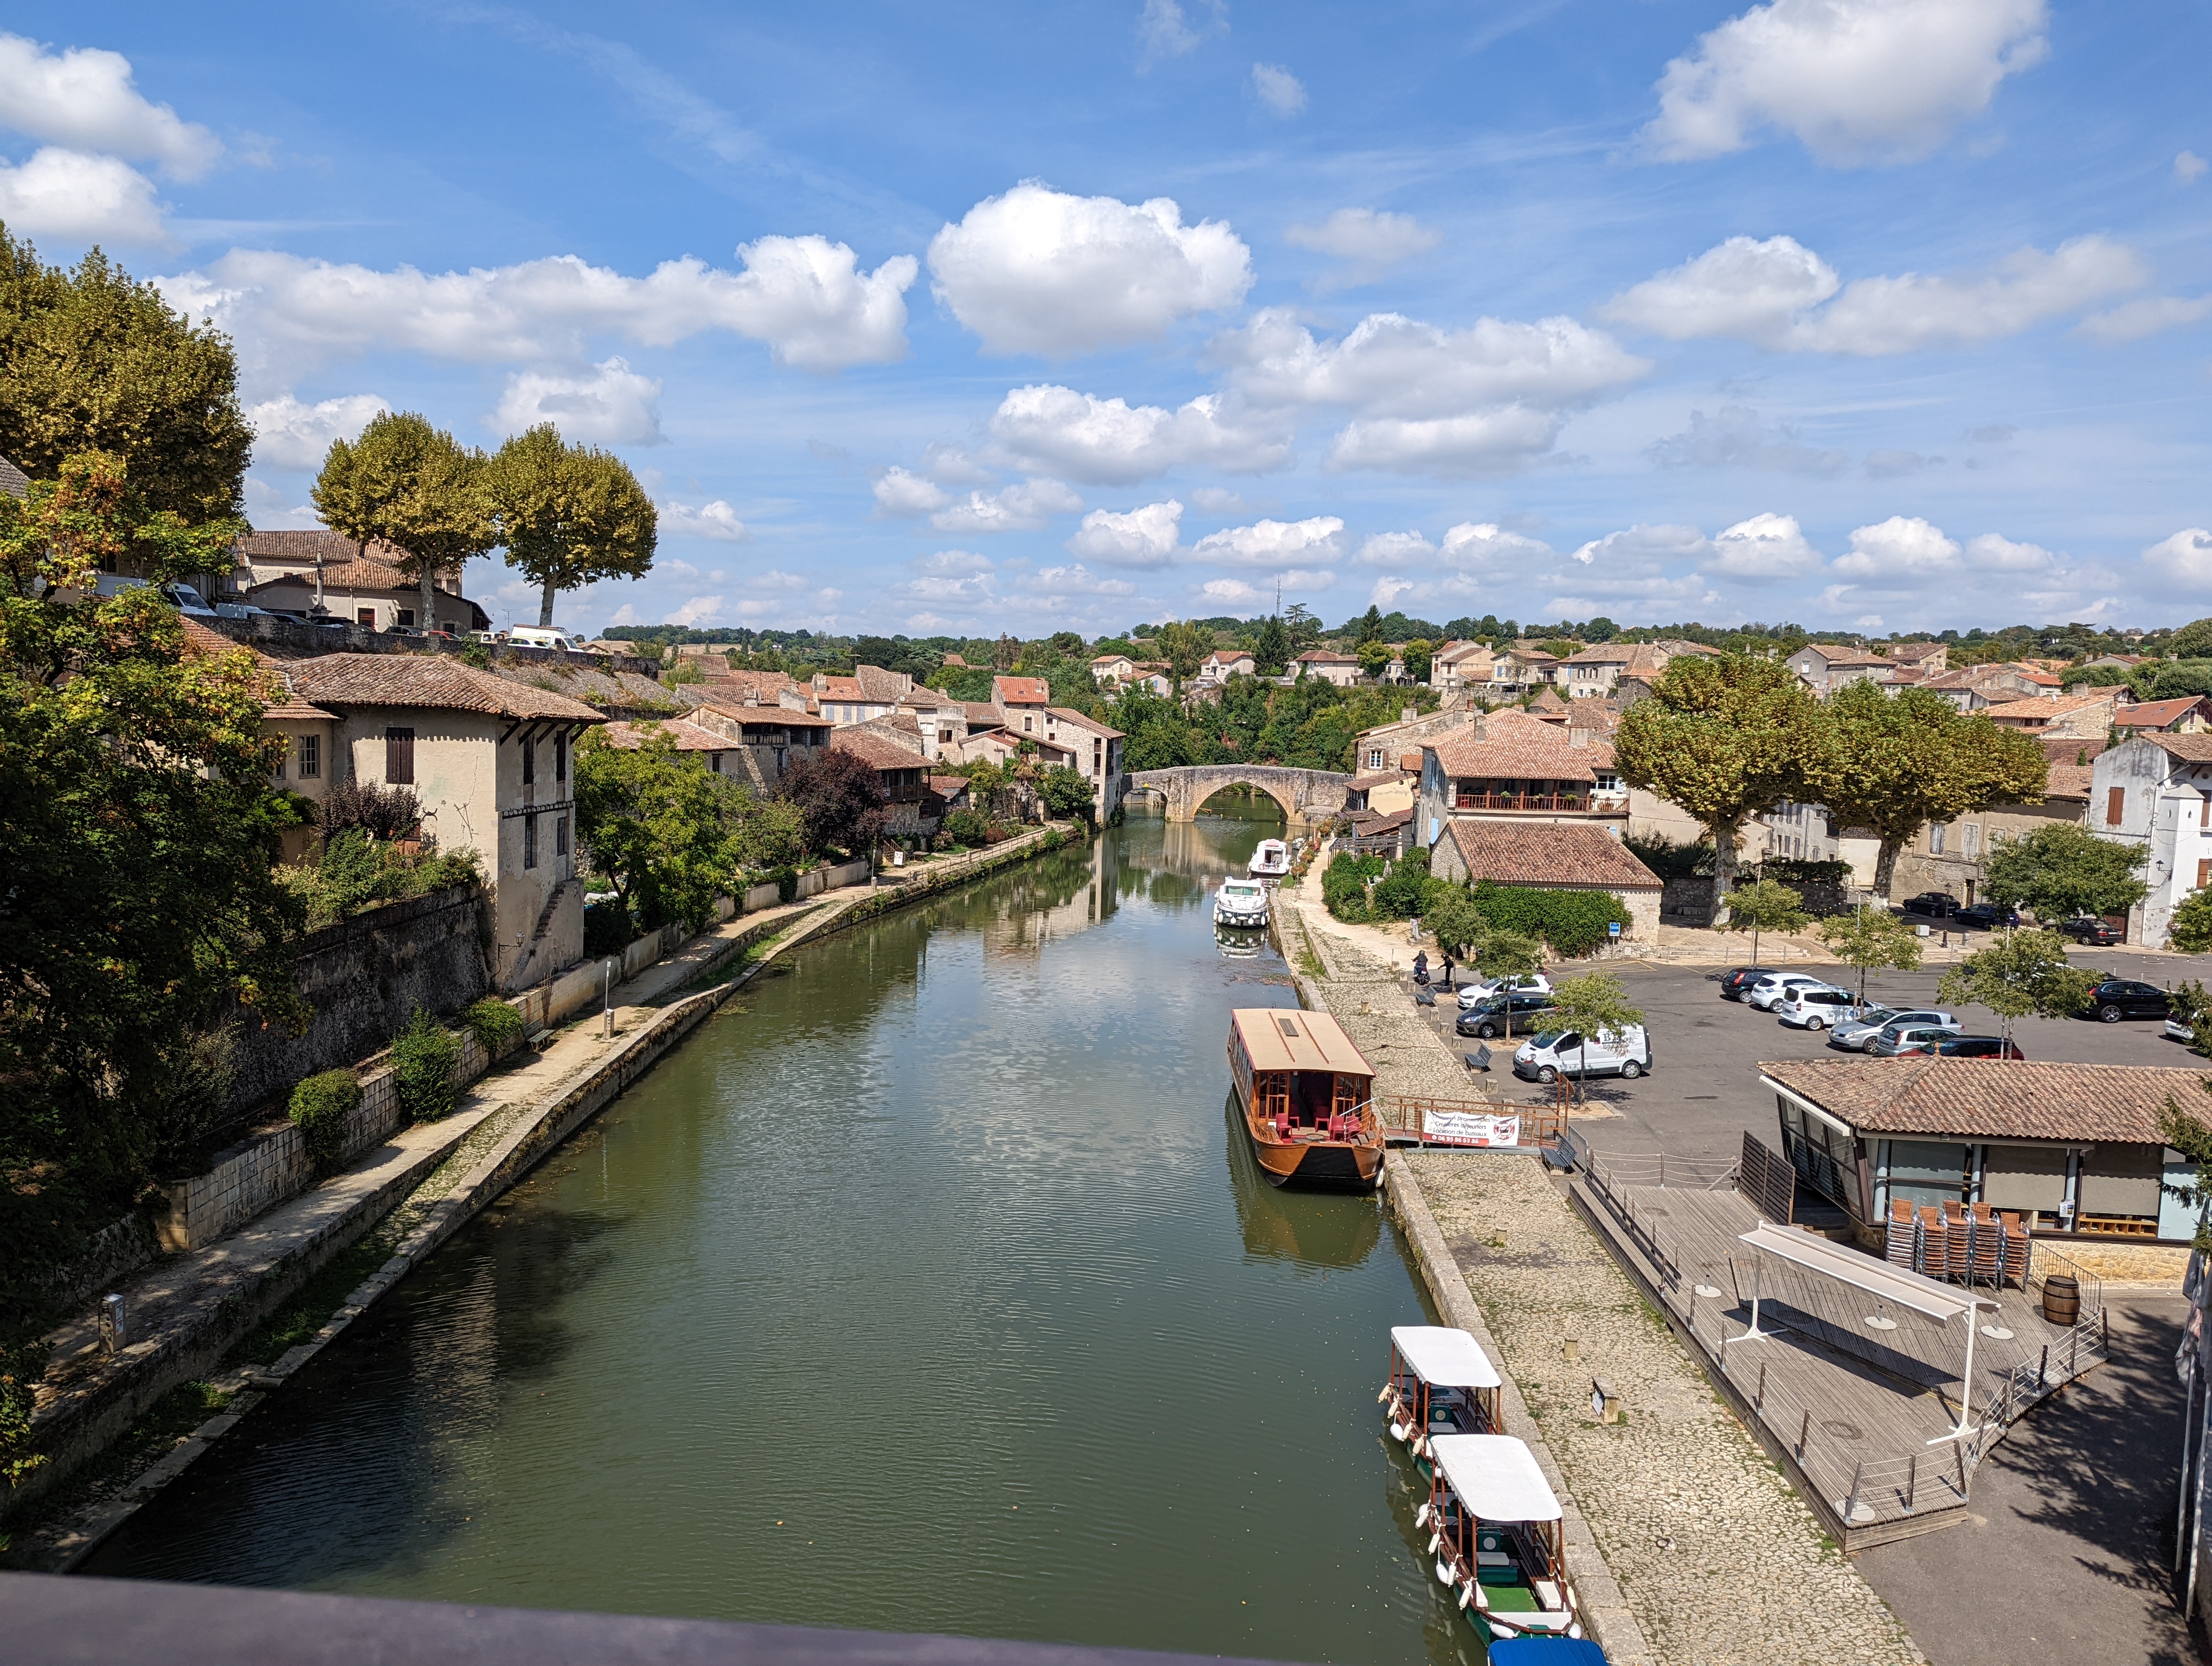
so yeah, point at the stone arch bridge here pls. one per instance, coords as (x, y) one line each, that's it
(1305, 795)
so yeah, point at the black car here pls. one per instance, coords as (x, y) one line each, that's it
(1985, 916)
(1937, 904)
(2117, 998)
(2087, 928)
(1487, 1017)
(1974, 1046)
(1735, 984)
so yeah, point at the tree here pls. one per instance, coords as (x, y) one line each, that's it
(1872, 940)
(1370, 626)
(1595, 1007)
(1897, 759)
(1511, 956)
(2062, 870)
(415, 487)
(1725, 739)
(1374, 657)
(2020, 973)
(1304, 627)
(1185, 645)
(569, 514)
(1272, 652)
(653, 821)
(1451, 916)
(842, 800)
(2192, 931)
(1418, 658)
(764, 833)
(1066, 793)
(2192, 642)
(1600, 630)
(1767, 906)
(92, 360)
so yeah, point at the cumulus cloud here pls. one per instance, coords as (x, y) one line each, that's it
(1738, 438)
(1038, 270)
(1272, 543)
(1763, 548)
(1485, 443)
(269, 509)
(1769, 293)
(1075, 580)
(1164, 29)
(1994, 554)
(611, 404)
(2185, 559)
(1231, 594)
(901, 492)
(2146, 317)
(702, 610)
(289, 434)
(85, 98)
(1900, 547)
(717, 520)
(2189, 167)
(1109, 441)
(806, 297)
(77, 198)
(1855, 81)
(1145, 537)
(1282, 93)
(1370, 242)
(1022, 507)
(1642, 543)
(1471, 546)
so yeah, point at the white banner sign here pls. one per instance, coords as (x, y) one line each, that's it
(1464, 1127)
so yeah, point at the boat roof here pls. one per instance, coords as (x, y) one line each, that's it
(1289, 1038)
(1496, 1477)
(1443, 1357)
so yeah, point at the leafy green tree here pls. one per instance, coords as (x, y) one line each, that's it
(2192, 642)
(1872, 940)
(1370, 626)
(650, 819)
(1066, 793)
(2062, 870)
(1595, 1007)
(570, 515)
(764, 833)
(1600, 630)
(1766, 906)
(2192, 931)
(1304, 627)
(2020, 973)
(1271, 651)
(94, 361)
(841, 801)
(1451, 916)
(414, 486)
(1417, 656)
(1511, 955)
(1374, 657)
(1725, 740)
(1896, 760)
(1184, 646)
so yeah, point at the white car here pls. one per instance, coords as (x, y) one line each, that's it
(2177, 1031)
(1776, 985)
(1555, 1052)
(1816, 1006)
(1472, 996)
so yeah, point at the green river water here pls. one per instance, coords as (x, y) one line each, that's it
(928, 1287)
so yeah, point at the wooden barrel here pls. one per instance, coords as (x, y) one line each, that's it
(2061, 1299)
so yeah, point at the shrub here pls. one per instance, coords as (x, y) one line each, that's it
(190, 1098)
(966, 827)
(1403, 889)
(1344, 885)
(2192, 931)
(1670, 860)
(608, 928)
(384, 812)
(1572, 922)
(496, 1026)
(426, 1060)
(787, 883)
(320, 1107)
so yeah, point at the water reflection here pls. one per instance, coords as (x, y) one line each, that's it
(1313, 1229)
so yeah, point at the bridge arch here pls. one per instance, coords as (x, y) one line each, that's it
(1304, 795)
(1285, 801)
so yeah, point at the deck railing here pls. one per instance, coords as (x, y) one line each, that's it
(1410, 1116)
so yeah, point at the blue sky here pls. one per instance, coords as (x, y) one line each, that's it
(1872, 314)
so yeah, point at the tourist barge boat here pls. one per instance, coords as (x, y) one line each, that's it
(1307, 1097)
(1441, 1384)
(1240, 903)
(1272, 860)
(1493, 1527)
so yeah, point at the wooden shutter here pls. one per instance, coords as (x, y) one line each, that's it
(2203, 874)
(399, 757)
(2115, 804)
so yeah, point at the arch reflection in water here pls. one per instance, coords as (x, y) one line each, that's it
(1313, 1229)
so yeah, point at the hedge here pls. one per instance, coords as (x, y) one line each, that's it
(426, 1059)
(1572, 922)
(320, 1107)
(1344, 885)
(495, 1025)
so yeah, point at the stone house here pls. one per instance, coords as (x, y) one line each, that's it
(1927, 658)
(1509, 766)
(942, 721)
(916, 810)
(1462, 666)
(1824, 667)
(1949, 856)
(2077, 716)
(869, 691)
(319, 574)
(1223, 664)
(2189, 715)
(769, 736)
(1020, 702)
(1112, 670)
(1096, 755)
(1970, 688)
(2155, 793)
(1540, 856)
(1341, 669)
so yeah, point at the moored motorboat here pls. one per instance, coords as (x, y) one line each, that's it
(1272, 860)
(1241, 903)
(1441, 1384)
(1493, 1534)
(1307, 1097)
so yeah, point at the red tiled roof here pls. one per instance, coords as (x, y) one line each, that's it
(2070, 781)
(768, 711)
(841, 688)
(1368, 784)
(2156, 713)
(1515, 746)
(1322, 656)
(1020, 690)
(2065, 748)
(878, 751)
(428, 680)
(1075, 720)
(1842, 653)
(2190, 748)
(881, 687)
(981, 711)
(1548, 854)
(2044, 706)
(348, 574)
(767, 685)
(1993, 1098)
(948, 787)
(316, 542)
(276, 686)
(1911, 651)
(688, 736)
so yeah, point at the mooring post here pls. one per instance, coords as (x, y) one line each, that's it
(2043, 1365)
(1758, 1399)
(1851, 1502)
(1804, 1434)
(1912, 1480)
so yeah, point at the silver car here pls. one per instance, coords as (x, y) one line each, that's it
(1857, 1034)
(1897, 1035)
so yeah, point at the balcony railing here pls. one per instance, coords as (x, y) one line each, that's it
(1577, 804)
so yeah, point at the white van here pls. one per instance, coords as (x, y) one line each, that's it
(541, 636)
(1551, 1054)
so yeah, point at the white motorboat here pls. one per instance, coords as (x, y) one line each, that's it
(1272, 860)
(1241, 903)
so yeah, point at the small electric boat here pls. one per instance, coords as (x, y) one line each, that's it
(1272, 860)
(1493, 1528)
(1441, 1384)
(1241, 903)
(1307, 1096)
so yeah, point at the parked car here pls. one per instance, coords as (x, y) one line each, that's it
(1473, 994)
(1968, 1047)
(1935, 904)
(2178, 1030)
(1775, 986)
(1985, 916)
(1816, 1006)
(1555, 1052)
(187, 600)
(2087, 928)
(1855, 1034)
(1487, 1017)
(1736, 983)
(2117, 998)
(1895, 1039)
(241, 610)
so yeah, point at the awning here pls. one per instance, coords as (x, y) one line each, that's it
(1288, 1038)
(1443, 1357)
(1939, 1301)
(1496, 1477)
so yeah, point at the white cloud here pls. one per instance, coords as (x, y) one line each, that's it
(949, 466)
(1766, 292)
(1396, 550)
(1765, 547)
(697, 611)
(1738, 438)
(1075, 580)
(2189, 167)
(290, 434)
(1470, 547)
(717, 520)
(1109, 441)
(1370, 242)
(1022, 507)
(2146, 317)
(1488, 442)
(1282, 93)
(804, 296)
(77, 198)
(2185, 559)
(269, 509)
(1145, 537)
(900, 492)
(1856, 80)
(84, 98)
(1994, 554)
(1642, 543)
(1271, 543)
(1038, 270)
(611, 404)
(1164, 29)
(1220, 593)
(1220, 501)
(1900, 547)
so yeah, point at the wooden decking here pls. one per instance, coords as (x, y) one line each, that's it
(1854, 1398)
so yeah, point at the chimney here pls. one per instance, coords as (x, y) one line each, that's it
(1578, 738)
(1406, 713)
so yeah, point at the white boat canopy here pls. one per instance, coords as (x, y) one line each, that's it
(1939, 1301)
(1443, 1357)
(1496, 1477)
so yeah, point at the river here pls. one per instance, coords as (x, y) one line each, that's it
(927, 1287)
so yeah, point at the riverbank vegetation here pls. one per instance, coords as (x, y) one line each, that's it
(1369, 889)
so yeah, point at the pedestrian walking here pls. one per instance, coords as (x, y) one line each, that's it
(1449, 968)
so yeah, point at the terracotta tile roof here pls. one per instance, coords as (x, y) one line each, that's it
(1993, 1098)
(2190, 748)
(348, 574)
(767, 685)
(428, 680)
(276, 683)
(1842, 653)
(2044, 706)
(1020, 691)
(839, 688)
(881, 687)
(13, 480)
(1075, 720)
(1514, 746)
(878, 751)
(601, 686)
(1366, 823)
(688, 736)
(1547, 700)
(2066, 748)
(1368, 784)
(1910, 651)
(1322, 656)
(316, 543)
(2156, 713)
(2070, 781)
(768, 711)
(948, 787)
(1545, 854)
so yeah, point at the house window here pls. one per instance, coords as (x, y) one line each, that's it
(407, 616)
(561, 836)
(311, 756)
(560, 757)
(530, 841)
(399, 757)
(529, 762)
(1973, 844)
(365, 616)
(2115, 806)
(1375, 762)
(1935, 838)
(1027, 724)
(279, 771)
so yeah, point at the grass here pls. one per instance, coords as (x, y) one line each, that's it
(157, 1432)
(300, 1317)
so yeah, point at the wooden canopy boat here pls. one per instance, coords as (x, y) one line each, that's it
(1441, 1384)
(1306, 1094)
(1493, 1526)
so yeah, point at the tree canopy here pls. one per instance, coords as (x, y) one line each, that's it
(569, 514)
(2020, 973)
(1872, 940)
(412, 484)
(1767, 906)
(842, 800)
(651, 818)
(2064, 869)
